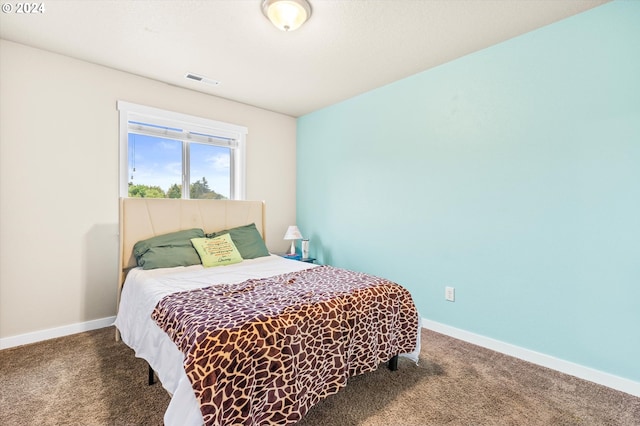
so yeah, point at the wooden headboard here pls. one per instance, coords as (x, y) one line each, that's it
(142, 218)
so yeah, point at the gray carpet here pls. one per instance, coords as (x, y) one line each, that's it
(89, 379)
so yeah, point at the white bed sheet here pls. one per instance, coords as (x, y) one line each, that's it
(143, 290)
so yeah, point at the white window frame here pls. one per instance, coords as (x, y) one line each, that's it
(230, 132)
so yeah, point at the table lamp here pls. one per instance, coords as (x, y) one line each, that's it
(293, 234)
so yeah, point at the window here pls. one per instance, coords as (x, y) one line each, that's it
(165, 154)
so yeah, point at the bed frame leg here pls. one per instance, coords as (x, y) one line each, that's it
(393, 363)
(152, 379)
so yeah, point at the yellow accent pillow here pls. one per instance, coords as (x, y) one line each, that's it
(216, 251)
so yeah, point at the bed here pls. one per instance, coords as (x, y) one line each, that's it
(285, 334)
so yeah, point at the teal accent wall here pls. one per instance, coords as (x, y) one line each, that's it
(511, 174)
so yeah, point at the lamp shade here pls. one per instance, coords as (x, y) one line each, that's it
(293, 233)
(287, 15)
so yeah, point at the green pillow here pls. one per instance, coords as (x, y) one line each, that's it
(217, 251)
(247, 240)
(168, 250)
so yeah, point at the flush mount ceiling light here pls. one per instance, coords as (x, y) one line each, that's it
(287, 15)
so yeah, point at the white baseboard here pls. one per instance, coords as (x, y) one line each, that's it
(51, 333)
(615, 382)
(612, 381)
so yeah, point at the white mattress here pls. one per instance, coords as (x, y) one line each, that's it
(144, 289)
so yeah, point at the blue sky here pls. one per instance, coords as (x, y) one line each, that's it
(158, 162)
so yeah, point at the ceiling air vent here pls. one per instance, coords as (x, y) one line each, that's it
(202, 79)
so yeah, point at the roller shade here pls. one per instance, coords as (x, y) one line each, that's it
(180, 134)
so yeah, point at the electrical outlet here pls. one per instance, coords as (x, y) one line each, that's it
(450, 294)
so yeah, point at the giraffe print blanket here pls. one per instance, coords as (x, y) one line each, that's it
(264, 351)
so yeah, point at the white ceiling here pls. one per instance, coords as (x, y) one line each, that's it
(347, 47)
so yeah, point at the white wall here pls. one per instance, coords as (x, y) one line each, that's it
(59, 180)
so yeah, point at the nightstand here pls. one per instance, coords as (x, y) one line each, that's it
(300, 259)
